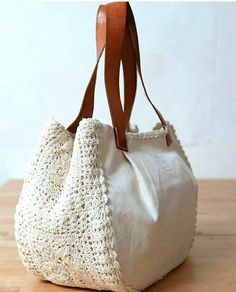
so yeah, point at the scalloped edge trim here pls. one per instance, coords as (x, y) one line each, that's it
(110, 234)
(173, 131)
(187, 161)
(155, 133)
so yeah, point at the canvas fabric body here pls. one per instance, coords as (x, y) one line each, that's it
(93, 216)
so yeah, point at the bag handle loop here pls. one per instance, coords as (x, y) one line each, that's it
(128, 61)
(129, 67)
(115, 36)
(112, 76)
(134, 37)
(116, 24)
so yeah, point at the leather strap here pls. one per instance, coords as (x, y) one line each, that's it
(119, 17)
(135, 42)
(129, 68)
(128, 61)
(130, 34)
(116, 25)
(111, 59)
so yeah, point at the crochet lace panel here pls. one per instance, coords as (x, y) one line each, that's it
(62, 221)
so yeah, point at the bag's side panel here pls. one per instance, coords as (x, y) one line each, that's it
(42, 187)
(89, 254)
(153, 200)
(64, 234)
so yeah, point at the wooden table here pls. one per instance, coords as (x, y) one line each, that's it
(211, 265)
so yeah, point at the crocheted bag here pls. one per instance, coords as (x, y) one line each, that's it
(104, 213)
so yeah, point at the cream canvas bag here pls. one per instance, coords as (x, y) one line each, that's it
(103, 207)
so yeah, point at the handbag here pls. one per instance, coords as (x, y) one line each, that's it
(107, 207)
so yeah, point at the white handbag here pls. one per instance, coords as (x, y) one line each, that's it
(102, 207)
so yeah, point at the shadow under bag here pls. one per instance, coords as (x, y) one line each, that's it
(104, 207)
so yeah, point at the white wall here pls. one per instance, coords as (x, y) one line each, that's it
(47, 52)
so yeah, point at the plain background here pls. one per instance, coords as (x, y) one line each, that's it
(47, 53)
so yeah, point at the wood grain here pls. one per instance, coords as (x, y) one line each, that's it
(211, 265)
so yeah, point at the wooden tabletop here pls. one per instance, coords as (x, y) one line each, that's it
(211, 265)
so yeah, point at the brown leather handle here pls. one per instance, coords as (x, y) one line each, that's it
(111, 60)
(134, 37)
(128, 61)
(119, 16)
(129, 67)
(130, 35)
(116, 25)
